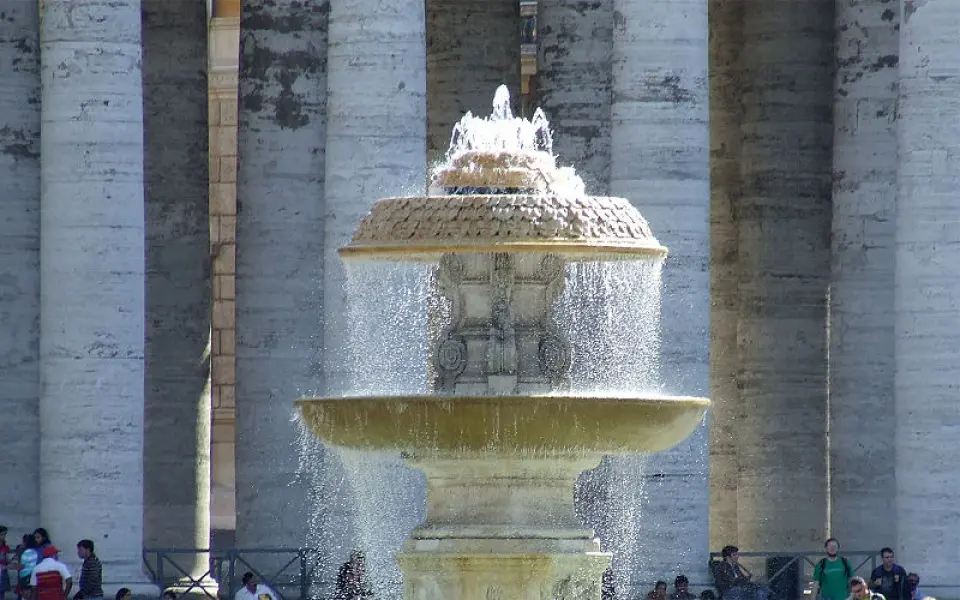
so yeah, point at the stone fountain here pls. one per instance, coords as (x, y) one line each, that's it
(500, 435)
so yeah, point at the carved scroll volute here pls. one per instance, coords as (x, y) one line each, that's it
(555, 353)
(450, 354)
(502, 344)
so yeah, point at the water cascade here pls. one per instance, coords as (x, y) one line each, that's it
(534, 360)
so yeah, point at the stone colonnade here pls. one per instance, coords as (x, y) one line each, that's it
(831, 233)
(106, 296)
(833, 277)
(369, 136)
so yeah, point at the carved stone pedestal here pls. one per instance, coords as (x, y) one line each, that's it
(502, 529)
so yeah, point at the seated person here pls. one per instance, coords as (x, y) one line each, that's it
(733, 581)
(659, 591)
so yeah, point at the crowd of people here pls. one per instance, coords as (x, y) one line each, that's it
(834, 578)
(33, 570)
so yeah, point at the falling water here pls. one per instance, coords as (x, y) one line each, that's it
(610, 312)
(388, 312)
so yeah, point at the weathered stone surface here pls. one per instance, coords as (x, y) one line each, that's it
(279, 239)
(478, 220)
(573, 84)
(660, 160)
(726, 17)
(177, 400)
(862, 282)
(927, 291)
(20, 266)
(784, 235)
(92, 270)
(473, 46)
(376, 143)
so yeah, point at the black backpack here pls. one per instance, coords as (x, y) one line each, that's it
(846, 568)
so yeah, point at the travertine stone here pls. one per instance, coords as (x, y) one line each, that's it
(575, 45)
(177, 398)
(376, 139)
(862, 281)
(784, 234)
(927, 291)
(20, 266)
(475, 221)
(472, 47)
(92, 272)
(726, 18)
(660, 161)
(279, 239)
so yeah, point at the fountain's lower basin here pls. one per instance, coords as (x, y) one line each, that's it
(500, 519)
(513, 426)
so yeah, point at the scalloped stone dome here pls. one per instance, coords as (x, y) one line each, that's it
(414, 226)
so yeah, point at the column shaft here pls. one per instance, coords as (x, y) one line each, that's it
(177, 400)
(726, 19)
(20, 266)
(784, 240)
(473, 46)
(92, 277)
(660, 160)
(862, 265)
(575, 46)
(280, 148)
(927, 290)
(376, 147)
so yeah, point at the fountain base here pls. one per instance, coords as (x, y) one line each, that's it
(502, 530)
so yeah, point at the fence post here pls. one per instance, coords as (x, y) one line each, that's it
(231, 573)
(161, 580)
(304, 580)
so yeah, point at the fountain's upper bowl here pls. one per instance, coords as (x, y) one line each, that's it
(548, 426)
(422, 228)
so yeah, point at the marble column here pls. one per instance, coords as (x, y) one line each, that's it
(784, 253)
(473, 46)
(92, 278)
(862, 505)
(660, 160)
(280, 147)
(726, 18)
(927, 291)
(20, 267)
(176, 177)
(575, 45)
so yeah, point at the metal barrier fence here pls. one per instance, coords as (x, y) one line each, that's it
(288, 571)
(293, 572)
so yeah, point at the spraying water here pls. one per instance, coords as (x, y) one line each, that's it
(520, 321)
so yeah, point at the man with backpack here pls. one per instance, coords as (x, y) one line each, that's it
(832, 573)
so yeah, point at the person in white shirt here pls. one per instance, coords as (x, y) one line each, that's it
(254, 590)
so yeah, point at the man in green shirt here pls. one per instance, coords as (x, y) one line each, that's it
(832, 573)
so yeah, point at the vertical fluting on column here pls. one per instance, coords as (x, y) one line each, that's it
(92, 278)
(726, 18)
(861, 327)
(473, 46)
(927, 288)
(575, 45)
(176, 181)
(280, 146)
(20, 265)
(660, 160)
(784, 237)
